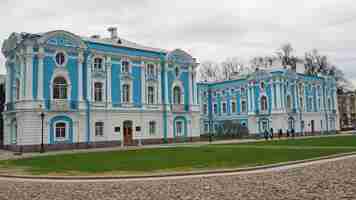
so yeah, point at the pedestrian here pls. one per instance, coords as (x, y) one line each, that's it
(287, 133)
(280, 133)
(266, 134)
(293, 133)
(271, 133)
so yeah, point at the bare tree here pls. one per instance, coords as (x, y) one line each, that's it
(230, 68)
(285, 54)
(209, 71)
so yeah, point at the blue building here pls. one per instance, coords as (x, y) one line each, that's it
(275, 97)
(96, 92)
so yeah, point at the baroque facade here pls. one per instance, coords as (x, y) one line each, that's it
(96, 91)
(275, 98)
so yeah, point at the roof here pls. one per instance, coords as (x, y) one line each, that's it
(122, 43)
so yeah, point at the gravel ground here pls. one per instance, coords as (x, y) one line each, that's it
(331, 180)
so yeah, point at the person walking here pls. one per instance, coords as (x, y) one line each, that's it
(271, 133)
(287, 133)
(266, 134)
(293, 133)
(280, 133)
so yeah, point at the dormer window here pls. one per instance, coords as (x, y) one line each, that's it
(98, 64)
(125, 67)
(60, 58)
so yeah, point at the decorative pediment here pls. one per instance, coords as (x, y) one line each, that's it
(63, 39)
(11, 43)
(181, 57)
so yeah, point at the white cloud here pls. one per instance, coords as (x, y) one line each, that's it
(207, 29)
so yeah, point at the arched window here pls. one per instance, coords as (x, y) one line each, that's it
(126, 93)
(177, 98)
(98, 91)
(125, 67)
(150, 95)
(59, 88)
(98, 64)
(61, 130)
(176, 71)
(264, 105)
(243, 106)
(17, 89)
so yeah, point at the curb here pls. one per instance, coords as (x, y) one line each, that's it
(177, 174)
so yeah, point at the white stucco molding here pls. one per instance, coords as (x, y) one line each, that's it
(45, 37)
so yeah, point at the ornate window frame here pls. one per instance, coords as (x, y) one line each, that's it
(102, 64)
(125, 59)
(179, 84)
(66, 58)
(59, 139)
(61, 72)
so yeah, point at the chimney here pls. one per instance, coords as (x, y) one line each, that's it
(113, 32)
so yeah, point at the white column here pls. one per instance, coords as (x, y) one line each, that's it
(253, 96)
(143, 83)
(29, 69)
(166, 87)
(159, 86)
(8, 82)
(195, 92)
(108, 78)
(40, 56)
(278, 94)
(273, 95)
(282, 94)
(190, 72)
(24, 75)
(88, 86)
(80, 76)
(249, 98)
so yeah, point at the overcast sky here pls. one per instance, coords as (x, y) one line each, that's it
(209, 30)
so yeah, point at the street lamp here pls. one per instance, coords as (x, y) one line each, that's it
(42, 114)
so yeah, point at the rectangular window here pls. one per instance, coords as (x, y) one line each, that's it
(243, 106)
(150, 95)
(98, 92)
(224, 107)
(152, 128)
(215, 108)
(205, 109)
(126, 93)
(125, 67)
(233, 107)
(99, 128)
(60, 130)
(179, 128)
(206, 128)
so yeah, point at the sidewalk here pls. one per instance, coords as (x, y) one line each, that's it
(4, 155)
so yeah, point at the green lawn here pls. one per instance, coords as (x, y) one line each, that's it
(181, 158)
(331, 141)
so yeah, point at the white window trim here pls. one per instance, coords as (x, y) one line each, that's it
(233, 101)
(103, 62)
(65, 58)
(121, 66)
(93, 90)
(95, 129)
(61, 139)
(182, 133)
(149, 128)
(61, 72)
(122, 92)
(155, 95)
(179, 84)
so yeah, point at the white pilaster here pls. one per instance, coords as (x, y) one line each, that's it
(253, 96)
(88, 85)
(108, 78)
(40, 86)
(143, 83)
(273, 95)
(8, 82)
(80, 76)
(166, 102)
(29, 69)
(159, 86)
(190, 73)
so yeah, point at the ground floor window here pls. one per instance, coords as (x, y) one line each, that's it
(99, 128)
(179, 128)
(152, 127)
(60, 130)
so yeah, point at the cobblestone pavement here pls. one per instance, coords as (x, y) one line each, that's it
(328, 180)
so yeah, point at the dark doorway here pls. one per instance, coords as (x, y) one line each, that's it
(128, 138)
